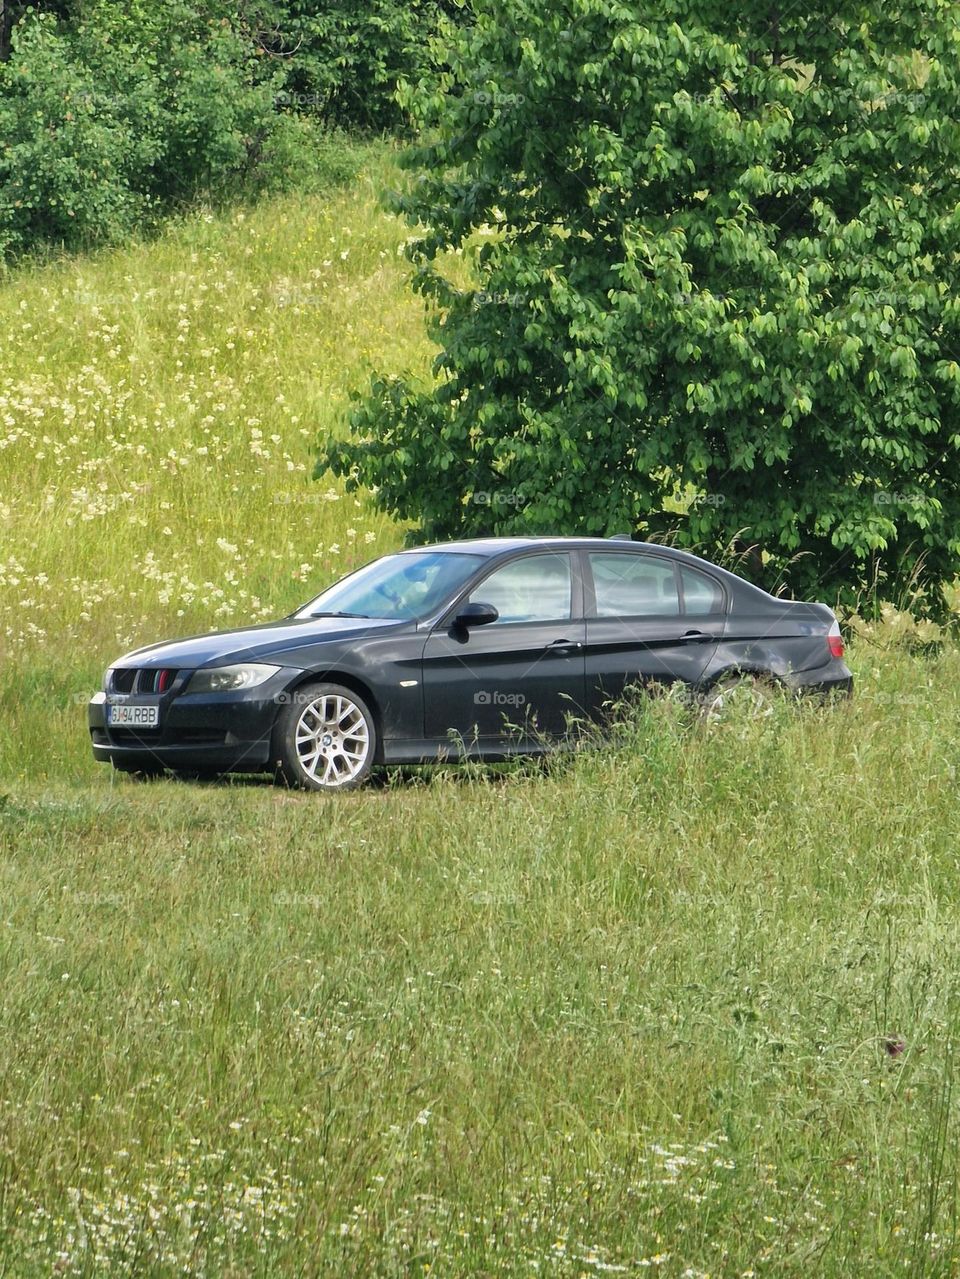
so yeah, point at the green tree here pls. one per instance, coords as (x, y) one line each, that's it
(126, 111)
(715, 250)
(11, 11)
(344, 58)
(114, 112)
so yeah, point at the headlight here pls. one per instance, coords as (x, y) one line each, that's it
(225, 679)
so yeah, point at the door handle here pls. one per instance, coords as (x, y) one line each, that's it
(564, 646)
(695, 637)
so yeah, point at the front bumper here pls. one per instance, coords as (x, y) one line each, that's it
(216, 732)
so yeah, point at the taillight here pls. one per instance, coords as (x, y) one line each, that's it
(835, 640)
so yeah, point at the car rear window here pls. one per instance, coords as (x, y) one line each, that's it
(702, 595)
(631, 585)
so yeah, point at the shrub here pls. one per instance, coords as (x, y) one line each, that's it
(111, 120)
(345, 59)
(68, 169)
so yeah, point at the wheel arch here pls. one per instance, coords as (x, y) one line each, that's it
(742, 670)
(345, 681)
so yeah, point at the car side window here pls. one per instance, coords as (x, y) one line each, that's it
(701, 594)
(536, 588)
(632, 585)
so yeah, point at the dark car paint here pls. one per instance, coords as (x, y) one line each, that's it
(422, 678)
(290, 635)
(472, 685)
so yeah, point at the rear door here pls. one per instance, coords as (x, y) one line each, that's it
(650, 619)
(525, 671)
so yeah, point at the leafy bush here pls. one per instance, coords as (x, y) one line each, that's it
(68, 169)
(112, 119)
(346, 58)
(715, 293)
(306, 156)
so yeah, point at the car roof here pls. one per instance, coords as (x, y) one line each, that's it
(491, 547)
(497, 545)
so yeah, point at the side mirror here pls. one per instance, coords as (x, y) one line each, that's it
(475, 614)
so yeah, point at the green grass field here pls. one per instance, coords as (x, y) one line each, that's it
(685, 1005)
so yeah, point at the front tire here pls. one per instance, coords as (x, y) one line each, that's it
(325, 739)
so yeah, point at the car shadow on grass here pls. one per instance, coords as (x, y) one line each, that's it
(382, 780)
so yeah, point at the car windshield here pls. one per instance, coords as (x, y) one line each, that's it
(402, 587)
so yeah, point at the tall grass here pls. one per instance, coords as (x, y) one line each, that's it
(687, 1001)
(685, 1004)
(159, 410)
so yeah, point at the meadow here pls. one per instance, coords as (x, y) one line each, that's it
(685, 1005)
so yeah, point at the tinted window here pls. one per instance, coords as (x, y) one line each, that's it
(407, 585)
(634, 585)
(701, 594)
(536, 588)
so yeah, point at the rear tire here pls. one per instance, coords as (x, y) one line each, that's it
(751, 692)
(325, 739)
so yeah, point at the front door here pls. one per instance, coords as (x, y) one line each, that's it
(521, 676)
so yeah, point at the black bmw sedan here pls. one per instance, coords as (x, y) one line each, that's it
(487, 649)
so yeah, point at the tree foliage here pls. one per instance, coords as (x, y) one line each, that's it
(716, 285)
(346, 57)
(113, 112)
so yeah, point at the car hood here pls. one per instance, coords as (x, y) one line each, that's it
(267, 643)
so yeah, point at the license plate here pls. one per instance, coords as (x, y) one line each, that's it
(125, 715)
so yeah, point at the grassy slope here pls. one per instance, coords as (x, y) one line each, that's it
(159, 409)
(629, 1010)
